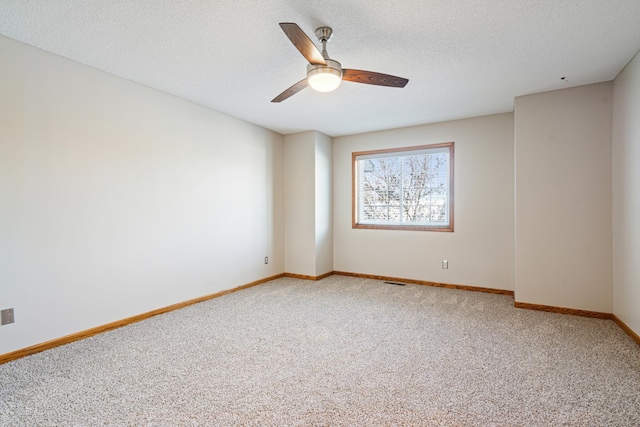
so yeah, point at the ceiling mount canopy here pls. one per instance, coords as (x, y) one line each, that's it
(323, 73)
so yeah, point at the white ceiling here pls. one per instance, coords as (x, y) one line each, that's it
(463, 58)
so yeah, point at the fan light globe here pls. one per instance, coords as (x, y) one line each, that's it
(324, 78)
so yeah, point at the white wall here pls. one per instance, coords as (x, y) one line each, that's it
(308, 228)
(563, 198)
(480, 250)
(626, 195)
(116, 199)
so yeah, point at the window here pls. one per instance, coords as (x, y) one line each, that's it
(404, 188)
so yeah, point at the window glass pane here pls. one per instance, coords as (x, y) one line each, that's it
(408, 187)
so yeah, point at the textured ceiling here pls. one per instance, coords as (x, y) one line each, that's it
(463, 58)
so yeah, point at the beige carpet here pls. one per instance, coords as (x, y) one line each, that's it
(341, 351)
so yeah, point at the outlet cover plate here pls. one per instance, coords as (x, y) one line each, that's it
(7, 316)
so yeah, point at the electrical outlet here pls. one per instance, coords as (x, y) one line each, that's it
(266, 260)
(445, 264)
(7, 316)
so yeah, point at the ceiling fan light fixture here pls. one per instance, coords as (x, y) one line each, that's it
(324, 78)
(324, 74)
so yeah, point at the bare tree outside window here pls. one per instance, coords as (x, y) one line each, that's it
(409, 188)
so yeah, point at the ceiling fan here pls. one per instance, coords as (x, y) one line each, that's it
(323, 73)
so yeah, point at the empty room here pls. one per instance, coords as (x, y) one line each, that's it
(329, 213)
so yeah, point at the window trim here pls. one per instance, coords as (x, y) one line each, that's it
(354, 196)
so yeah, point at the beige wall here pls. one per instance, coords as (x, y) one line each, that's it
(308, 229)
(299, 202)
(626, 195)
(323, 204)
(563, 198)
(116, 199)
(480, 250)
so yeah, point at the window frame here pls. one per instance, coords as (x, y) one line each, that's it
(354, 190)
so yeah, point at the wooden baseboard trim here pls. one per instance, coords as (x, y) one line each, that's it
(303, 277)
(427, 283)
(626, 329)
(563, 310)
(8, 357)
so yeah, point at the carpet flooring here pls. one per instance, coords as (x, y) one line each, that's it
(340, 351)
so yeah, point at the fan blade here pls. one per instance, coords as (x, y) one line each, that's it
(371, 78)
(291, 91)
(303, 43)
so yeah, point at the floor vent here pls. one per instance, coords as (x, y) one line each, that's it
(395, 283)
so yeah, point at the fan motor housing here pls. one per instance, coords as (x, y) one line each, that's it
(333, 67)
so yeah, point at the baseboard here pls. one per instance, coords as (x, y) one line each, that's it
(563, 310)
(427, 283)
(303, 277)
(626, 328)
(8, 357)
